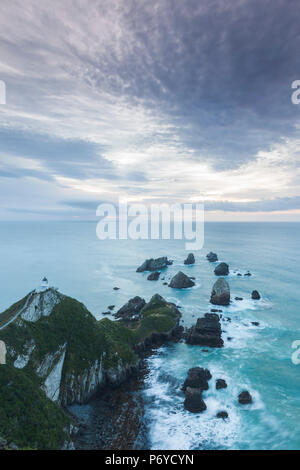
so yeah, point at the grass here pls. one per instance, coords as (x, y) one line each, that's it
(27, 416)
(12, 311)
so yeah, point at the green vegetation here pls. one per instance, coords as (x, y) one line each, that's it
(27, 417)
(87, 339)
(157, 317)
(12, 311)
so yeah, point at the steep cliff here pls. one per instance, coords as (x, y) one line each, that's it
(55, 344)
(27, 417)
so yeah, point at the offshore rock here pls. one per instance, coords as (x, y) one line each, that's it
(194, 384)
(193, 400)
(255, 295)
(220, 294)
(181, 281)
(245, 398)
(212, 257)
(190, 259)
(221, 383)
(153, 276)
(197, 378)
(206, 332)
(222, 269)
(154, 264)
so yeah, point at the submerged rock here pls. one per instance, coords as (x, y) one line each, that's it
(193, 400)
(154, 264)
(197, 378)
(247, 274)
(245, 398)
(131, 310)
(222, 269)
(221, 383)
(206, 332)
(190, 259)
(220, 294)
(222, 414)
(181, 281)
(212, 257)
(255, 323)
(255, 295)
(153, 276)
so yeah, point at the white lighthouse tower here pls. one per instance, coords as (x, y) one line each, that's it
(44, 284)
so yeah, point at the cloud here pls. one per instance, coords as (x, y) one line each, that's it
(272, 205)
(165, 100)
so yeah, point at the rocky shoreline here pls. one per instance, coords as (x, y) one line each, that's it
(114, 419)
(62, 355)
(110, 411)
(101, 366)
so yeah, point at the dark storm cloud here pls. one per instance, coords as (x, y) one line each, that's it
(223, 68)
(69, 158)
(159, 98)
(236, 54)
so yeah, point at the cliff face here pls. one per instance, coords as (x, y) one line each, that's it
(28, 419)
(69, 355)
(40, 304)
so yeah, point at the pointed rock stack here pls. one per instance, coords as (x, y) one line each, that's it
(212, 257)
(181, 281)
(220, 294)
(190, 259)
(222, 269)
(195, 383)
(131, 310)
(206, 332)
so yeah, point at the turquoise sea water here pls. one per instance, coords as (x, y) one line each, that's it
(257, 358)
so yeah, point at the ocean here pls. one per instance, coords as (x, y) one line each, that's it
(256, 358)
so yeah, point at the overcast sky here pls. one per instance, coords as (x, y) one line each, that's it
(153, 101)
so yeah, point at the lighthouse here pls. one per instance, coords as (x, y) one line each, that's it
(44, 284)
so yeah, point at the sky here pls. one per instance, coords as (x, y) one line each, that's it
(161, 101)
